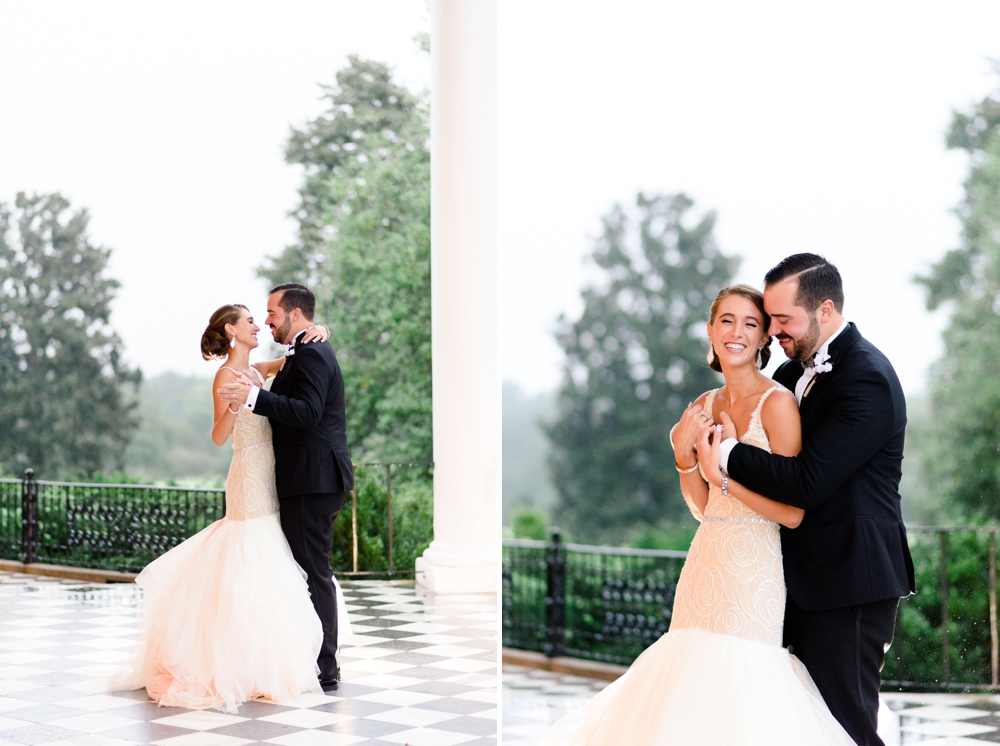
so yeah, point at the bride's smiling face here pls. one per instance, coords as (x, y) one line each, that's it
(737, 332)
(245, 330)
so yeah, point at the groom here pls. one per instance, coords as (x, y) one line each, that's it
(848, 564)
(312, 463)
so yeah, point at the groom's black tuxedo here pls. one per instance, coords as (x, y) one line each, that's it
(851, 546)
(308, 423)
(313, 471)
(847, 564)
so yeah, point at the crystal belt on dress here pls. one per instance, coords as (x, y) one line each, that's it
(728, 519)
(255, 445)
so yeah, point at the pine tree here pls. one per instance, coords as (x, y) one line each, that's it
(634, 359)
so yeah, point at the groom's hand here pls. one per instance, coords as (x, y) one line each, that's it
(728, 427)
(237, 391)
(710, 453)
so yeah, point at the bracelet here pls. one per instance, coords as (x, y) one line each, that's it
(725, 482)
(234, 411)
(327, 329)
(685, 471)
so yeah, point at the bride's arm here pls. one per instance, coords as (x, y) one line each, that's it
(694, 489)
(225, 417)
(269, 368)
(780, 417)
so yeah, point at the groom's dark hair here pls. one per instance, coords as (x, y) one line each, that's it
(818, 280)
(296, 295)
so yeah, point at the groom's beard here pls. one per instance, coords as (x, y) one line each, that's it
(804, 347)
(281, 332)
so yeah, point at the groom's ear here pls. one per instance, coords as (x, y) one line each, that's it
(826, 309)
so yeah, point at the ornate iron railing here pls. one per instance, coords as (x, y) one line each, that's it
(609, 604)
(123, 527)
(946, 633)
(600, 603)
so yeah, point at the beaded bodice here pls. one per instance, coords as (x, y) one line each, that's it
(732, 582)
(250, 487)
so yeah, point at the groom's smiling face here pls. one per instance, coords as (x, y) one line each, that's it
(796, 330)
(279, 321)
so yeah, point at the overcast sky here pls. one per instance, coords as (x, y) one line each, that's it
(807, 127)
(168, 120)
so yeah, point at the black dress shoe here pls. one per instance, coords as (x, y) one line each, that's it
(328, 685)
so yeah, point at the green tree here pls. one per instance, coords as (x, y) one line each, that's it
(634, 359)
(364, 247)
(530, 523)
(367, 113)
(961, 452)
(64, 408)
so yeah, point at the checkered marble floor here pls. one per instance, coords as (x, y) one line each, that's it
(416, 670)
(534, 699)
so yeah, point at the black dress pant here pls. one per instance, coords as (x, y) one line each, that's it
(307, 521)
(844, 650)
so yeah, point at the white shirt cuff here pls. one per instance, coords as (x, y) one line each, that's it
(725, 448)
(252, 398)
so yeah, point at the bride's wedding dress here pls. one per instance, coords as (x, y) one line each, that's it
(226, 615)
(720, 675)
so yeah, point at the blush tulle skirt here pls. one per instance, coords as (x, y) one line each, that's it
(226, 617)
(699, 688)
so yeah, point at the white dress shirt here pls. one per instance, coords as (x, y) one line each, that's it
(808, 373)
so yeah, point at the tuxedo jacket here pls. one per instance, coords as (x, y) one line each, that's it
(850, 548)
(308, 423)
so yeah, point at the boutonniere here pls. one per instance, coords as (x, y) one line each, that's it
(823, 364)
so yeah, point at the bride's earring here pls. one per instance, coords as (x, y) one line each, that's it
(233, 343)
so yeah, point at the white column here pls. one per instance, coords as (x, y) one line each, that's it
(463, 558)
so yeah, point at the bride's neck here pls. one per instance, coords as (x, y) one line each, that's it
(238, 358)
(740, 382)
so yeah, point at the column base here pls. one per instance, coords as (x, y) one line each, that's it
(447, 568)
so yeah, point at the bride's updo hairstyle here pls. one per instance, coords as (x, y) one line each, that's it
(215, 342)
(753, 295)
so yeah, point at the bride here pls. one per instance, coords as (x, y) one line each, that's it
(720, 675)
(226, 615)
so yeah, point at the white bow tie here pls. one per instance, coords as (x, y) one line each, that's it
(290, 350)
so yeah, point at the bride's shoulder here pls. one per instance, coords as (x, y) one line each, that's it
(701, 400)
(225, 375)
(780, 404)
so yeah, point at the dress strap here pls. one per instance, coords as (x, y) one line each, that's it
(255, 372)
(755, 417)
(710, 399)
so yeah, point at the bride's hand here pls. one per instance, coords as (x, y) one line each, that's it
(316, 333)
(688, 431)
(710, 453)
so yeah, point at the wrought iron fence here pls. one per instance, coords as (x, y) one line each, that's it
(946, 633)
(599, 603)
(123, 527)
(609, 604)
